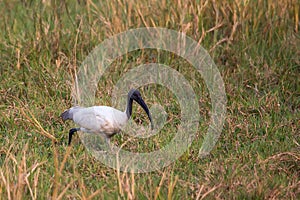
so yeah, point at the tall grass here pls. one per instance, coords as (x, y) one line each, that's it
(255, 45)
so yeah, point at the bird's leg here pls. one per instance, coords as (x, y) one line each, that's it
(71, 132)
(107, 140)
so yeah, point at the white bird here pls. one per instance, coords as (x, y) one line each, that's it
(103, 120)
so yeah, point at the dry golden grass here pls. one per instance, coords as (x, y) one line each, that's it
(255, 45)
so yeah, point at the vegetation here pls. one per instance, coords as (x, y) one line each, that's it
(255, 45)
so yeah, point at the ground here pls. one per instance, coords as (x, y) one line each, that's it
(254, 44)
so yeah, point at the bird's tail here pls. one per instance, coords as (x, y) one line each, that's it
(68, 114)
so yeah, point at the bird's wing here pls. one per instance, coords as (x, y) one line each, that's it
(98, 119)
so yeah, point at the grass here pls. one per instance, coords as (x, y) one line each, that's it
(255, 45)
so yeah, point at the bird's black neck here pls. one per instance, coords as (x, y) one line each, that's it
(129, 107)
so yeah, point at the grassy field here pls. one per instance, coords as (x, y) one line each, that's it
(255, 45)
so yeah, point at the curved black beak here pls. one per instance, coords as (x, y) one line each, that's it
(145, 107)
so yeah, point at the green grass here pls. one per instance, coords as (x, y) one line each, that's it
(255, 45)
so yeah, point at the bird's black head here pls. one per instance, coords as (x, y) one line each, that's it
(136, 96)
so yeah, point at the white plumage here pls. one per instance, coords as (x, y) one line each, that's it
(99, 119)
